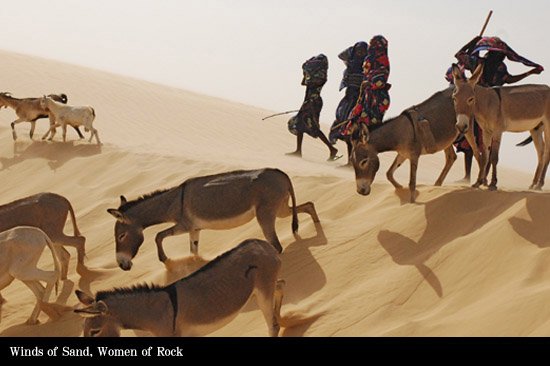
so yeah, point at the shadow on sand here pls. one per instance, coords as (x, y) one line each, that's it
(57, 153)
(536, 229)
(460, 213)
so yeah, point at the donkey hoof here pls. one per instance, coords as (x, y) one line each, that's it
(32, 322)
(492, 187)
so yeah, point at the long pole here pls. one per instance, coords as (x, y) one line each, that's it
(280, 114)
(486, 22)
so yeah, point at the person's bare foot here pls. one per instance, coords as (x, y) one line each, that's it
(333, 156)
(295, 153)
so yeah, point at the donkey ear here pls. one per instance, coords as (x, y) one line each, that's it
(474, 79)
(84, 298)
(117, 214)
(95, 309)
(364, 134)
(457, 74)
(123, 200)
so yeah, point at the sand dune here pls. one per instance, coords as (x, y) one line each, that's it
(459, 262)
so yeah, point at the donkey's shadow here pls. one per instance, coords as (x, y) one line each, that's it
(535, 228)
(451, 216)
(299, 262)
(57, 153)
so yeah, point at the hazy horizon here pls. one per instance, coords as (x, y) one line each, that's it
(251, 52)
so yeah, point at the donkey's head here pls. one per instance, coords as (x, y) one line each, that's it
(44, 102)
(98, 321)
(128, 236)
(464, 97)
(3, 96)
(364, 158)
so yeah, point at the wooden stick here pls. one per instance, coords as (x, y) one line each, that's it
(280, 114)
(486, 22)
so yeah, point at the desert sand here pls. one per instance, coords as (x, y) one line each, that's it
(459, 262)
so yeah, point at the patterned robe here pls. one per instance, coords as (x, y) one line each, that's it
(353, 58)
(374, 97)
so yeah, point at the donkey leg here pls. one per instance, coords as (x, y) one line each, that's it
(92, 133)
(32, 277)
(96, 136)
(546, 157)
(38, 291)
(47, 133)
(269, 300)
(495, 145)
(194, 241)
(412, 181)
(52, 132)
(538, 141)
(484, 165)
(174, 230)
(278, 299)
(472, 141)
(77, 242)
(450, 158)
(33, 125)
(80, 135)
(64, 257)
(64, 131)
(266, 218)
(399, 159)
(5, 281)
(13, 133)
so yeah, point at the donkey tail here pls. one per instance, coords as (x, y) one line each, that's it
(525, 142)
(73, 219)
(56, 262)
(294, 212)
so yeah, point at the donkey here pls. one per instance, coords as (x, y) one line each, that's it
(513, 108)
(221, 201)
(63, 115)
(196, 305)
(46, 211)
(20, 250)
(424, 129)
(29, 110)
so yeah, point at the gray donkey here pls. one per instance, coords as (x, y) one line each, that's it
(196, 305)
(221, 201)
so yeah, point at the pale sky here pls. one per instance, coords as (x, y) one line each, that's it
(251, 51)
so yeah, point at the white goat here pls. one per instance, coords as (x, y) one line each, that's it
(63, 115)
(20, 250)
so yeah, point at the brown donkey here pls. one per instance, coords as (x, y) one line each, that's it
(196, 305)
(46, 211)
(29, 110)
(424, 129)
(221, 201)
(512, 108)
